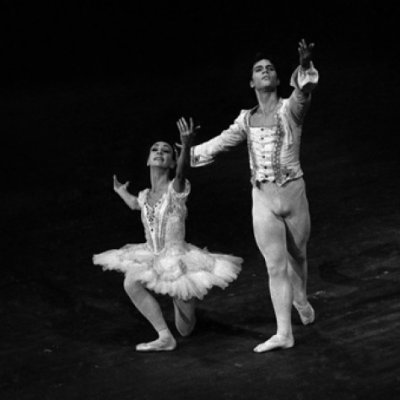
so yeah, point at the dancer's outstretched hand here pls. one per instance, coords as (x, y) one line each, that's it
(187, 131)
(305, 53)
(118, 186)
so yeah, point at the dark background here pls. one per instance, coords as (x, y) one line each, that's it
(86, 88)
(86, 80)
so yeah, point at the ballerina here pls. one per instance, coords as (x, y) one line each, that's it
(166, 263)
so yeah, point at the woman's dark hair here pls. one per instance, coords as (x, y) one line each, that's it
(173, 148)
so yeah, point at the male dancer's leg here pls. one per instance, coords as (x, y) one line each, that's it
(270, 235)
(297, 234)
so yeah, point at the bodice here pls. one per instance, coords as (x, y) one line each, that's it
(164, 221)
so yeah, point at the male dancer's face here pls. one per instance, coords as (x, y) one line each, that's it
(264, 76)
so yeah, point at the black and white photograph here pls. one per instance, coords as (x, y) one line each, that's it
(201, 201)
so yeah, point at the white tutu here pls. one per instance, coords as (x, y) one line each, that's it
(182, 271)
(166, 263)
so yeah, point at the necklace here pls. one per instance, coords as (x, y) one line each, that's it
(154, 198)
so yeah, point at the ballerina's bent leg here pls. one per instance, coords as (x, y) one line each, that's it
(150, 309)
(185, 318)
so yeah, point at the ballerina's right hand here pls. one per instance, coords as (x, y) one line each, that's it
(118, 186)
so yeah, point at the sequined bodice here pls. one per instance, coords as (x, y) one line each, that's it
(164, 221)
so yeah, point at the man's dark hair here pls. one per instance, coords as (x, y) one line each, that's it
(261, 55)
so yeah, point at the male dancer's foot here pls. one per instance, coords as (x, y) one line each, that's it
(165, 342)
(275, 342)
(185, 318)
(306, 313)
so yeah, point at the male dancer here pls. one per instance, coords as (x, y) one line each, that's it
(281, 219)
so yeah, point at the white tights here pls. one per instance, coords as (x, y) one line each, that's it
(145, 303)
(281, 223)
(148, 306)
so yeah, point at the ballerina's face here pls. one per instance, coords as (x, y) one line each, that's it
(161, 155)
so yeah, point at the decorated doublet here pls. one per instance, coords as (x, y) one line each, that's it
(273, 151)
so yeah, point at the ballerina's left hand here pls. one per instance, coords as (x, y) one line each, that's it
(187, 132)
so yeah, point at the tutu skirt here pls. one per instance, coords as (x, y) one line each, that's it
(180, 270)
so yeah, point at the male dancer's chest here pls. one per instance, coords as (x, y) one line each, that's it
(262, 120)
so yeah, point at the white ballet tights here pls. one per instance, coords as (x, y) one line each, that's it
(185, 318)
(281, 225)
(151, 310)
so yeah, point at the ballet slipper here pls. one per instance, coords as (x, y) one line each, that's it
(161, 344)
(306, 313)
(275, 342)
(185, 318)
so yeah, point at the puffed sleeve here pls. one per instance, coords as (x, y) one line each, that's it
(205, 153)
(180, 195)
(142, 197)
(304, 82)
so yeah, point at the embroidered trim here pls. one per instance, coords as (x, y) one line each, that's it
(276, 152)
(252, 157)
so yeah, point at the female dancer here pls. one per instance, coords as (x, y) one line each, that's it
(167, 264)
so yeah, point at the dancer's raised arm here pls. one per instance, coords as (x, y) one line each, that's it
(187, 133)
(304, 80)
(205, 153)
(305, 77)
(122, 190)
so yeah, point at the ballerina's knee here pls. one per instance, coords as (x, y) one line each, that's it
(132, 287)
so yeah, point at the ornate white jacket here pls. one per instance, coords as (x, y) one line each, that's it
(273, 152)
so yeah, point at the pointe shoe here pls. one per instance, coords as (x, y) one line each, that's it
(185, 318)
(275, 342)
(164, 344)
(306, 313)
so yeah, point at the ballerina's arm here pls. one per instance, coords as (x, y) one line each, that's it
(122, 190)
(187, 134)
